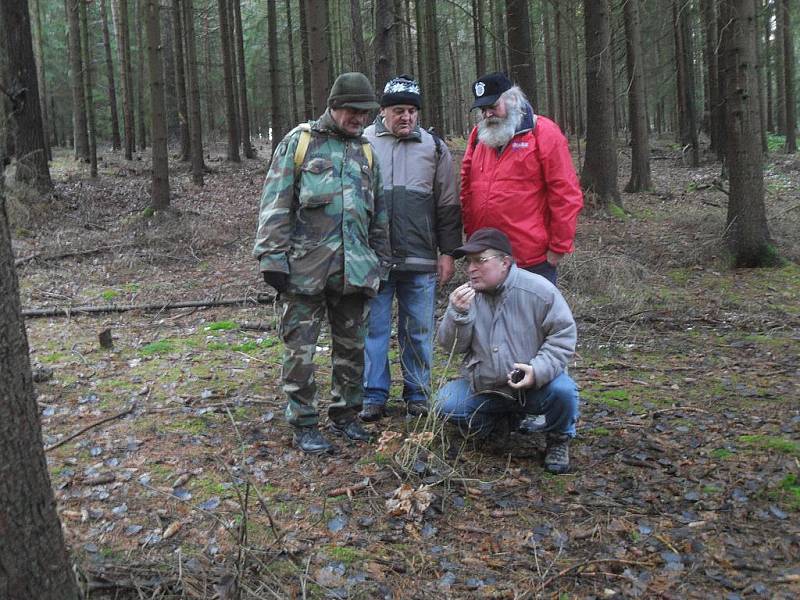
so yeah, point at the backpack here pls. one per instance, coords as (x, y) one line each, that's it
(305, 140)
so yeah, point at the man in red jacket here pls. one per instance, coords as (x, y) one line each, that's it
(517, 176)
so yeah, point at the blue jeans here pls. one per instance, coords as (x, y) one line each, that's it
(416, 302)
(477, 413)
(546, 270)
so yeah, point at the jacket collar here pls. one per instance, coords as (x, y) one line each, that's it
(528, 120)
(380, 130)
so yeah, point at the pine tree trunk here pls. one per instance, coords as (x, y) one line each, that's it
(780, 70)
(116, 142)
(38, 52)
(359, 49)
(79, 127)
(560, 74)
(159, 199)
(119, 9)
(477, 36)
(292, 65)
(766, 10)
(685, 79)
(522, 65)
(305, 55)
(277, 116)
(788, 77)
(762, 94)
(193, 93)
(140, 56)
(399, 43)
(708, 10)
(600, 167)
(746, 230)
(384, 42)
(180, 80)
(21, 83)
(211, 97)
(548, 61)
(433, 61)
(33, 557)
(500, 29)
(244, 109)
(227, 68)
(637, 107)
(319, 53)
(91, 122)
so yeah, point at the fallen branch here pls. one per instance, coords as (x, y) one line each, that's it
(69, 254)
(118, 308)
(619, 561)
(350, 490)
(92, 426)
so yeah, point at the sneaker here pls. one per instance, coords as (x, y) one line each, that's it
(417, 409)
(311, 440)
(351, 430)
(556, 458)
(371, 413)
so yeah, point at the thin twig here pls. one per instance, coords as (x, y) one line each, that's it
(581, 565)
(92, 426)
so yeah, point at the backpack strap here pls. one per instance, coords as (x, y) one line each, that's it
(305, 139)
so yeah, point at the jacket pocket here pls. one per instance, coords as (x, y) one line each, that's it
(318, 183)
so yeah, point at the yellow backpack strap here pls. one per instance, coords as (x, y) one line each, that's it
(302, 146)
(368, 153)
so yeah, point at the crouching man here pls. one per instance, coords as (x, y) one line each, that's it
(517, 334)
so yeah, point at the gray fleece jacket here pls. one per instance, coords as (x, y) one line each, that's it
(526, 320)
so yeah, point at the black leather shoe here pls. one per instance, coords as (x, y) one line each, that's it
(417, 409)
(371, 413)
(311, 440)
(351, 430)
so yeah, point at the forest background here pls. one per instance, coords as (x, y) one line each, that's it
(135, 136)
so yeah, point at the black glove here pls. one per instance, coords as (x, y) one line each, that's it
(277, 279)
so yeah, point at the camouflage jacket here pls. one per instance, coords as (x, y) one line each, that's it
(328, 216)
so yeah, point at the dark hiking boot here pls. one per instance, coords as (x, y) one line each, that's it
(351, 430)
(556, 458)
(311, 440)
(372, 413)
(417, 409)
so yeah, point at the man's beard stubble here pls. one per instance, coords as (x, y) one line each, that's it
(497, 132)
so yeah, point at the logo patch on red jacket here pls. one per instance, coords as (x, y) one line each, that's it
(518, 145)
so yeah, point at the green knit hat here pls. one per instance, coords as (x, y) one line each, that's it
(352, 90)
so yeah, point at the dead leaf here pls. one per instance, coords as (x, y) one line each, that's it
(172, 530)
(408, 502)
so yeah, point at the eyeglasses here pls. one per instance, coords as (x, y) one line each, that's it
(479, 260)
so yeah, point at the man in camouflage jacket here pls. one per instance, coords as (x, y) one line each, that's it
(323, 244)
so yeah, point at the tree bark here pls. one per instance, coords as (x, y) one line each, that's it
(38, 52)
(384, 43)
(319, 53)
(788, 77)
(180, 80)
(708, 10)
(88, 62)
(477, 36)
(227, 68)
(600, 167)
(685, 79)
(140, 57)
(193, 94)
(22, 85)
(277, 117)
(548, 61)
(292, 65)
(305, 55)
(33, 556)
(244, 109)
(159, 198)
(637, 107)
(746, 229)
(762, 94)
(560, 74)
(79, 127)
(116, 142)
(521, 62)
(119, 9)
(767, 66)
(359, 50)
(433, 62)
(211, 97)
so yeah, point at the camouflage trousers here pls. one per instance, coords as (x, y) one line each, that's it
(300, 327)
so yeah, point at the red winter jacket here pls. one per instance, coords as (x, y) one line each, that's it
(529, 192)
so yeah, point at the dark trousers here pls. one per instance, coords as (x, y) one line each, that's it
(546, 270)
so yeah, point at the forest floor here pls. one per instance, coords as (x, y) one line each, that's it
(685, 479)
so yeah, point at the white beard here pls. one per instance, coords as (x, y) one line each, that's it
(495, 132)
